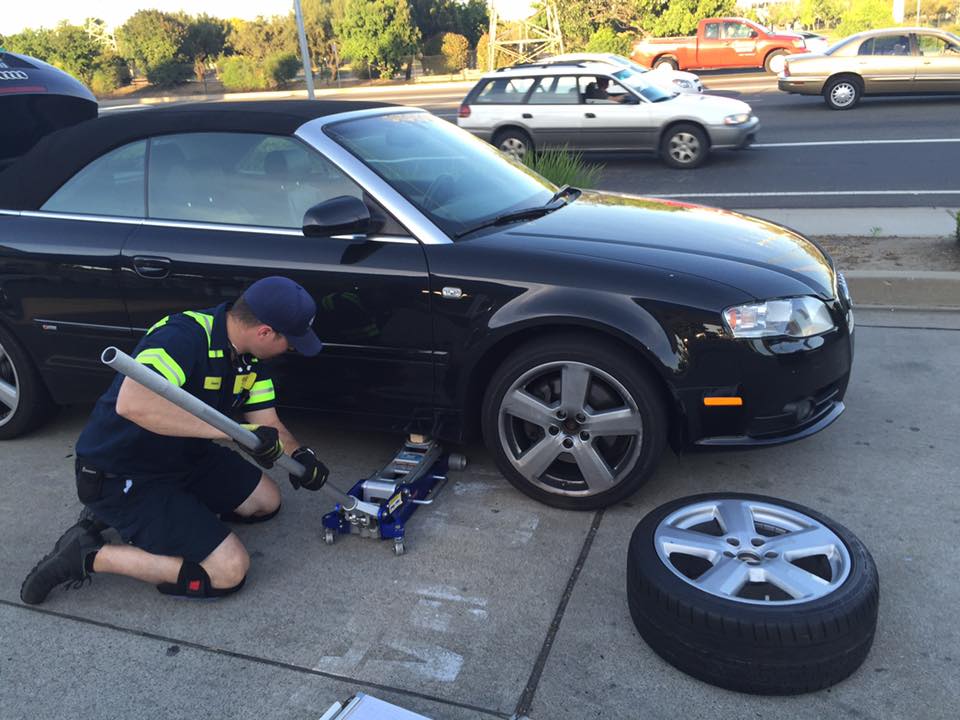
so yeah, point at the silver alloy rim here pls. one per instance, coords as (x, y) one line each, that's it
(843, 94)
(514, 147)
(764, 554)
(582, 439)
(684, 147)
(9, 388)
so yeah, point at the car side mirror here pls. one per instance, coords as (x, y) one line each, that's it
(754, 34)
(343, 215)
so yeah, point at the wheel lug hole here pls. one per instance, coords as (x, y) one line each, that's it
(580, 417)
(733, 541)
(561, 414)
(771, 555)
(727, 553)
(757, 542)
(584, 436)
(554, 429)
(568, 443)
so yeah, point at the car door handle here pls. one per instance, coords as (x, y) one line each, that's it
(153, 268)
(527, 116)
(589, 115)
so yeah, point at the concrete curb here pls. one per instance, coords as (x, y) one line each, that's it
(915, 222)
(905, 289)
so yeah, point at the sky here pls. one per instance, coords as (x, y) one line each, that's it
(15, 16)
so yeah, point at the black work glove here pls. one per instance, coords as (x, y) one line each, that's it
(315, 473)
(270, 447)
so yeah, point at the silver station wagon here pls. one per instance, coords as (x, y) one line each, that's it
(588, 106)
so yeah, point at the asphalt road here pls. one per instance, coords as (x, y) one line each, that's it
(887, 152)
(502, 607)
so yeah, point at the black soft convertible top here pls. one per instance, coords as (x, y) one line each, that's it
(32, 179)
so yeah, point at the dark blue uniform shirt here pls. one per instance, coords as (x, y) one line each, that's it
(191, 350)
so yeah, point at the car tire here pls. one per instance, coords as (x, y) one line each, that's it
(760, 638)
(514, 143)
(842, 93)
(543, 420)
(684, 146)
(666, 63)
(24, 400)
(774, 62)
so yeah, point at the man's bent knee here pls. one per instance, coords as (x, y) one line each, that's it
(228, 564)
(263, 502)
(194, 582)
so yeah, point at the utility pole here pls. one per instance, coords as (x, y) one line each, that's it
(304, 52)
(535, 41)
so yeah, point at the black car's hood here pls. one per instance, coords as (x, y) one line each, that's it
(738, 250)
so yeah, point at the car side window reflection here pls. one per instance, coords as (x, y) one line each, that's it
(886, 45)
(555, 91)
(931, 45)
(110, 185)
(239, 179)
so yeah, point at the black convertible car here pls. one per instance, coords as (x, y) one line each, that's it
(458, 292)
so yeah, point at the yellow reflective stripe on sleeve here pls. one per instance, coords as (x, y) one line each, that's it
(212, 383)
(160, 359)
(261, 392)
(160, 323)
(205, 321)
(215, 353)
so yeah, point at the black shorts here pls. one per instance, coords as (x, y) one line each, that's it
(177, 514)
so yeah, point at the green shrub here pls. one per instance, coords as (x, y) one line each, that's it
(456, 51)
(563, 168)
(280, 68)
(605, 40)
(170, 72)
(110, 74)
(865, 15)
(240, 73)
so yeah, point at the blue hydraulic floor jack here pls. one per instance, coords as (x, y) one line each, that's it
(412, 478)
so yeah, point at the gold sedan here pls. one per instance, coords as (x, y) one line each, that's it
(894, 61)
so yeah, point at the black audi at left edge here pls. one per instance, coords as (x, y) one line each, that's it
(458, 292)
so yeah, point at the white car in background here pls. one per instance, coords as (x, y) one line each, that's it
(669, 79)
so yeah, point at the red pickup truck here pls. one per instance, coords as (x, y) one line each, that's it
(720, 43)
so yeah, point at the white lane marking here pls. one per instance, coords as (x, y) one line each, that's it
(809, 193)
(815, 143)
(446, 593)
(380, 660)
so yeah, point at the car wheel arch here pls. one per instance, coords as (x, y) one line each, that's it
(684, 121)
(477, 377)
(845, 75)
(666, 57)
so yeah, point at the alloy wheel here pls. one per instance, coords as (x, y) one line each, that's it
(684, 147)
(752, 552)
(570, 428)
(514, 147)
(9, 388)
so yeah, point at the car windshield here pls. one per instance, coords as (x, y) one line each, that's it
(641, 85)
(455, 179)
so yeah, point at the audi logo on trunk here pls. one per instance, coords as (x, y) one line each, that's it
(13, 75)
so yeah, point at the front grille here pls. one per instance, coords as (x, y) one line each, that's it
(796, 414)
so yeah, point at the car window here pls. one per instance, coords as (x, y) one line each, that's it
(712, 31)
(600, 90)
(455, 179)
(110, 185)
(504, 91)
(239, 179)
(640, 84)
(934, 45)
(555, 91)
(886, 45)
(736, 30)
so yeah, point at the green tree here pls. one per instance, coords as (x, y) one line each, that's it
(260, 38)
(865, 15)
(205, 39)
(681, 17)
(35, 43)
(820, 13)
(318, 17)
(464, 17)
(606, 40)
(152, 39)
(379, 32)
(455, 49)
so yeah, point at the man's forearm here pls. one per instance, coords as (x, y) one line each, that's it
(158, 415)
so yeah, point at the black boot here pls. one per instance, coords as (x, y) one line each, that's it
(66, 563)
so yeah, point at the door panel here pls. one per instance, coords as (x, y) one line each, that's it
(938, 69)
(610, 125)
(887, 64)
(554, 112)
(373, 308)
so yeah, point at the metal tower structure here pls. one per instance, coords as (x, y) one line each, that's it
(535, 41)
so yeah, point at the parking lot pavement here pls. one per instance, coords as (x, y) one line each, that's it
(489, 611)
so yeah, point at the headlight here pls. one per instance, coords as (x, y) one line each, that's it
(680, 82)
(792, 317)
(737, 119)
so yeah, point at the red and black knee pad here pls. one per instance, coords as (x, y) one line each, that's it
(193, 582)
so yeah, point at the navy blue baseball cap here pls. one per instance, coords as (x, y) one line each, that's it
(286, 307)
